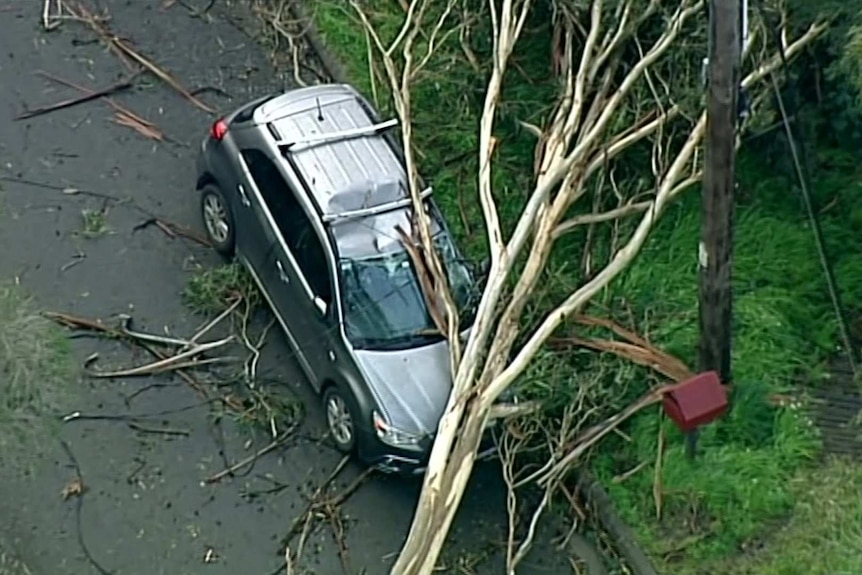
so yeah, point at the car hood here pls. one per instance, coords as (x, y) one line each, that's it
(411, 385)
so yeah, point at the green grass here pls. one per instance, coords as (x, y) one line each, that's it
(37, 374)
(753, 469)
(824, 535)
(212, 290)
(784, 329)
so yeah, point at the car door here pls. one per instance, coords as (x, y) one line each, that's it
(252, 238)
(264, 246)
(321, 329)
(298, 270)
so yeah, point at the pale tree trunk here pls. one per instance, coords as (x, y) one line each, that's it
(579, 141)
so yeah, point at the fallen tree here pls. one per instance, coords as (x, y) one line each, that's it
(629, 88)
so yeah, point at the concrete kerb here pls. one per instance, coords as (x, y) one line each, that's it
(332, 67)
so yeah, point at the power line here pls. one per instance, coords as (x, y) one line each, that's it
(816, 229)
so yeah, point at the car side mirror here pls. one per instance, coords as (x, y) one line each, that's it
(321, 306)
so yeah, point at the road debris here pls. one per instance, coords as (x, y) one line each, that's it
(73, 489)
(77, 489)
(173, 230)
(277, 442)
(90, 96)
(76, 322)
(76, 259)
(169, 363)
(127, 54)
(159, 430)
(138, 124)
(122, 116)
(49, 21)
(324, 506)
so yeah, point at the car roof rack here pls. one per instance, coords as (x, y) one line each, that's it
(339, 135)
(375, 210)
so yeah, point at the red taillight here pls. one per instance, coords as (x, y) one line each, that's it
(218, 130)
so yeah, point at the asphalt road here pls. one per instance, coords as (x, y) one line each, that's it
(146, 510)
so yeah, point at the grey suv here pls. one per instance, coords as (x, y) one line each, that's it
(308, 189)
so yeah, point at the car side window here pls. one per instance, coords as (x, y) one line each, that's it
(292, 221)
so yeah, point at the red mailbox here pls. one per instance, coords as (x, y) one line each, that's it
(696, 401)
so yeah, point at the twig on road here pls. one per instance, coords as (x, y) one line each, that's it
(76, 322)
(49, 22)
(122, 48)
(66, 190)
(215, 321)
(76, 259)
(78, 416)
(277, 442)
(173, 230)
(122, 115)
(170, 229)
(93, 95)
(139, 125)
(159, 430)
(326, 507)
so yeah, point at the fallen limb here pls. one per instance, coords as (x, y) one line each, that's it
(277, 442)
(129, 118)
(122, 48)
(592, 435)
(635, 348)
(166, 363)
(215, 321)
(93, 95)
(651, 358)
(136, 123)
(172, 230)
(76, 322)
(126, 321)
(301, 525)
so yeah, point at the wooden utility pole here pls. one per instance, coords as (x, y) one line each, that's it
(716, 243)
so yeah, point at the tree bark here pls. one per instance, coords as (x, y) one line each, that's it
(439, 505)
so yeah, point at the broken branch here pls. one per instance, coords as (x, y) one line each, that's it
(92, 95)
(166, 363)
(277, 442)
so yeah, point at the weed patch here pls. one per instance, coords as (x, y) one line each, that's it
(213, 290)
(95, 223)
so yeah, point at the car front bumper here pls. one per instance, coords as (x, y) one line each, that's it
(405, 462)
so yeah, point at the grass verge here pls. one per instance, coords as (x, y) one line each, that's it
(36, 374)
(755, 463)
(824, 535)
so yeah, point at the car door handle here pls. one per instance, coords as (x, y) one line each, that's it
(243, 196)
(282, 275)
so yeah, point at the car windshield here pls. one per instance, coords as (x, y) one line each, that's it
(384, 306)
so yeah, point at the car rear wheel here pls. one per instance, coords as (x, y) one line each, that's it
(217, 219)
(340, 419)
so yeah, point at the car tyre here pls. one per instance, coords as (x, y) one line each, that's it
(218, 220)
(341, 419)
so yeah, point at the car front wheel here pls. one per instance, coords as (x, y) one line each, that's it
(340, 419)
(217, 219)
